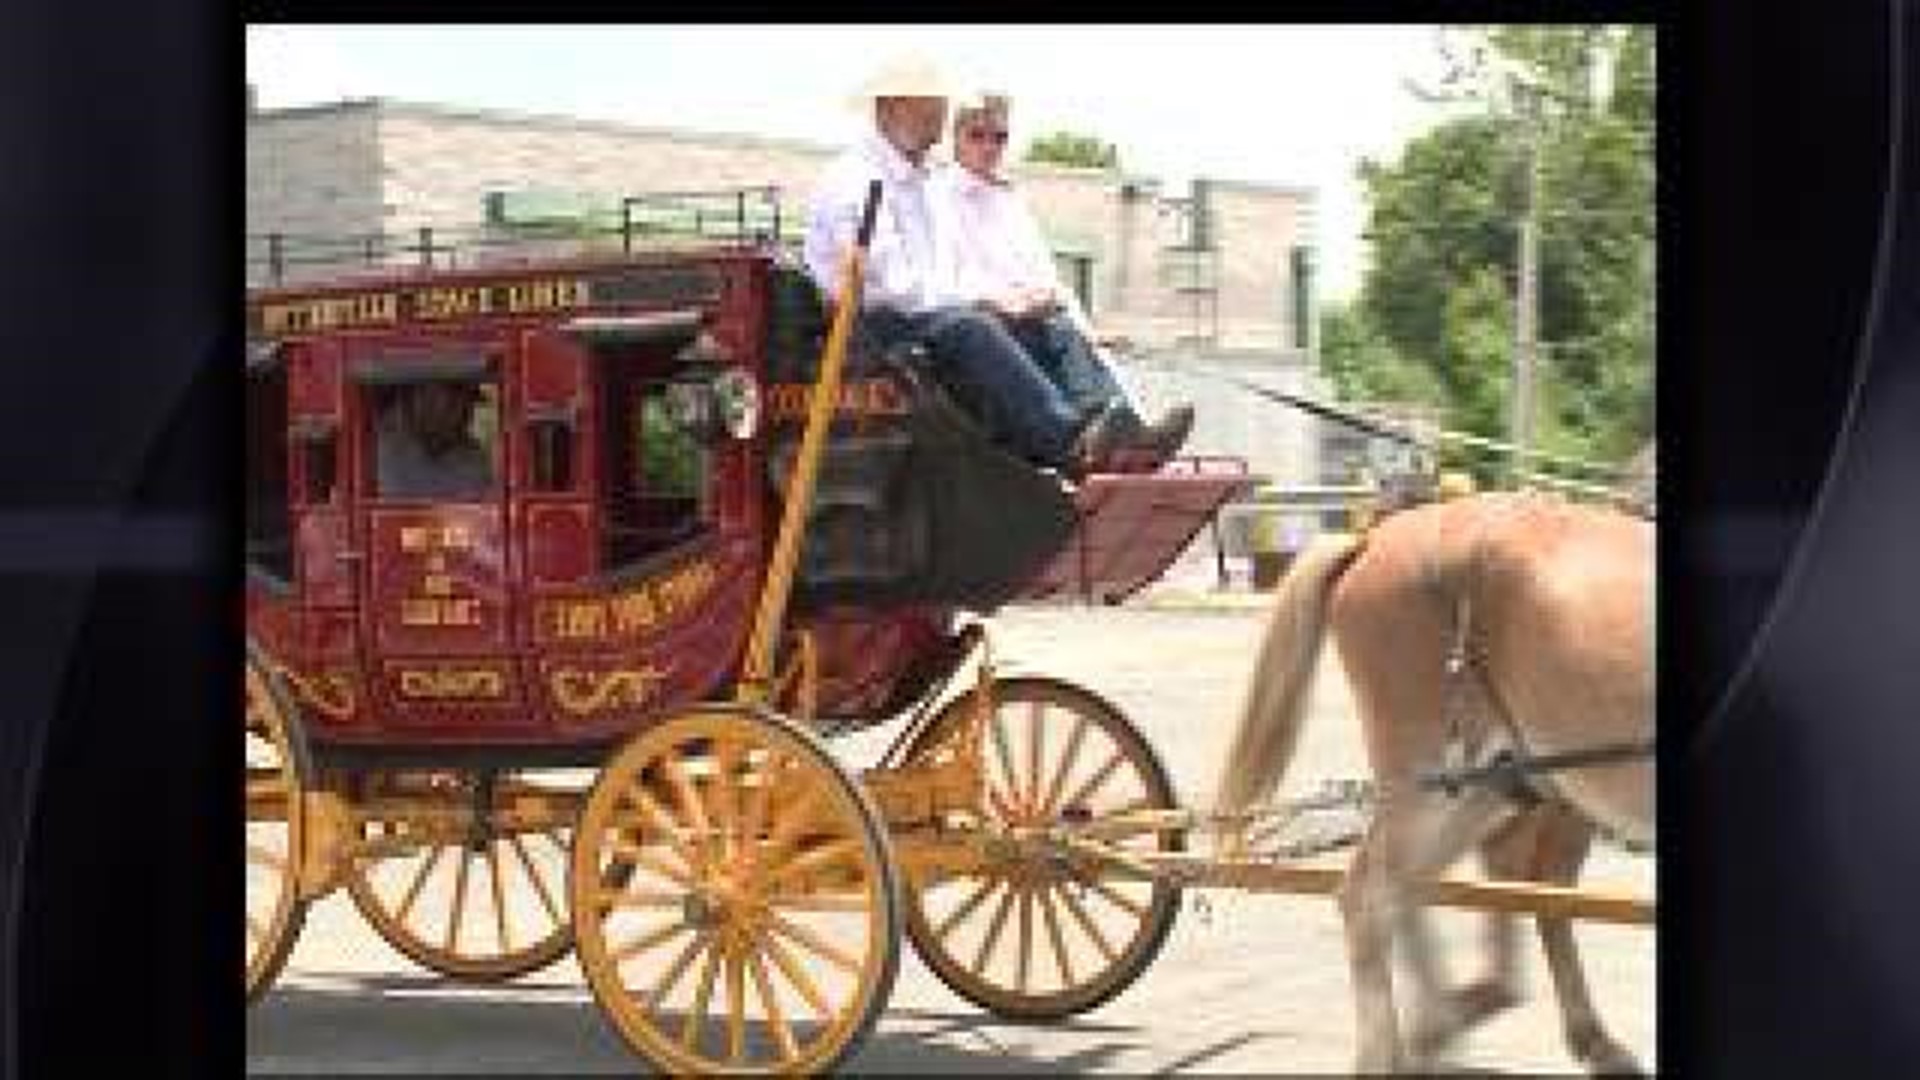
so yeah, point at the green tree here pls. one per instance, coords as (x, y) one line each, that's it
(1070, 148)
(1363, 366)
(1443, 224)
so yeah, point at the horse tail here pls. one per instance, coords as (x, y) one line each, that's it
(1275, 704)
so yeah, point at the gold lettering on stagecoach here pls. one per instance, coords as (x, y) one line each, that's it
(434, 303)
(859, 398)
(331, 313)
(437, 684)
(430, 539)
(582, 620)
(637, 611)
(437, 585)
(580, 692)
(439, 611)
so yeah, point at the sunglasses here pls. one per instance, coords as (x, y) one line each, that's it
(997, 136)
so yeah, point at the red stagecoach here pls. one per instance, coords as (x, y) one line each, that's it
(524, 713)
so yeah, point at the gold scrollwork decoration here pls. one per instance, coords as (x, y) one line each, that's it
(330, 692)
(581, 692)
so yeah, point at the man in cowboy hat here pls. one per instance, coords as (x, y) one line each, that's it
(910, 284)
(1002, 264)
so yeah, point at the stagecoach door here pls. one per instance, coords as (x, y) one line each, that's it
(436, 614)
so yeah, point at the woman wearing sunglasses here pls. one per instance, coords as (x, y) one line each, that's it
(1002, 264)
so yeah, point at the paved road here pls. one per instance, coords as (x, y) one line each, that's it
(1246, 983)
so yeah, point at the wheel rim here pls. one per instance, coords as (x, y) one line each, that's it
(485, 911)
(1036, 941)
(274, 907)
(755, 928)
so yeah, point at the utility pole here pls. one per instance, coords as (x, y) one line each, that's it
(1526, 328)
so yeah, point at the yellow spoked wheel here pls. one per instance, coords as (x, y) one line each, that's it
(276, 773)
(734, 899)
(1033, 940)
(485, 907)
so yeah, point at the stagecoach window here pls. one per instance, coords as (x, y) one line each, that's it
(437, 438)
(653, 489)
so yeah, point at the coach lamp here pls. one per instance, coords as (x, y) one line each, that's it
(709, 398)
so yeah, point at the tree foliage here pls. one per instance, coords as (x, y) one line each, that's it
(1444, 225)
(1077, 150)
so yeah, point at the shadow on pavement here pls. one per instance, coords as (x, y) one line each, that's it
(400, 1024)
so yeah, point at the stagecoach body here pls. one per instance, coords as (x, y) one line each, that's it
(609, 570)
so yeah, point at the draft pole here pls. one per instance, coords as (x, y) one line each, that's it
(757, 675)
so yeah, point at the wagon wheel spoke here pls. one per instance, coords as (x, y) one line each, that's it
(692, 808)
(736, 1008)
(776, 1021)
(1051, 801)
(648, 942)
(1119, 899)
(1030, 802)
(499, 898)
(539, 884)
(806, 938)
(1023, 951)
(787, 829)
(459, 901)
(726, 796)
(1092, 929)
(953, 920)
(819, 903)
(1005, 756)
(797, 977)
(1098, 780)
(419, 882)
(828, 854)
(1056, 937)
(641, 898)
(696, 1017)
(997, 924)
(645, 859)
(670, 978)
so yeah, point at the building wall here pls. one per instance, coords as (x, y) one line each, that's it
(378, 165)
(311, 173)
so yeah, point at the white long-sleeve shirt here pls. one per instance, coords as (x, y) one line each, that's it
(997, 244)
(908, 264)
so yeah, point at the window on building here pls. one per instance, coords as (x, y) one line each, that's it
(1300, 280)
(654, 489)
(1077, 272)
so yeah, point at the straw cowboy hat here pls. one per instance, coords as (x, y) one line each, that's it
(907, 75)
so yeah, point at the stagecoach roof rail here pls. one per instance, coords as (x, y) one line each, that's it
(745, 215)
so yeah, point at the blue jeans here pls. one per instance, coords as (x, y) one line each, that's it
(987, 370)
(1066, 357)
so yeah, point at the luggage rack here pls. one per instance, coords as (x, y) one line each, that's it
(645, 221)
